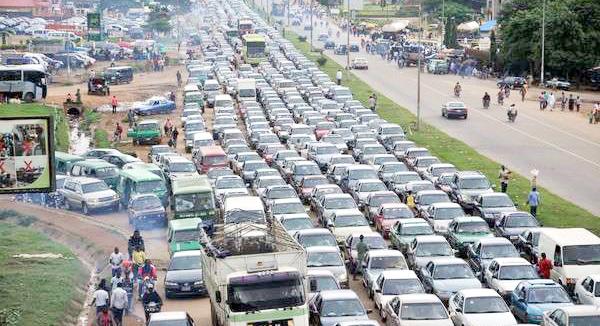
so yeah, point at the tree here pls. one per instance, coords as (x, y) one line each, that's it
(493, 49)
(450, 34)
(159, 20)
(453, 8)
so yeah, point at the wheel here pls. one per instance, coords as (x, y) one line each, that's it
(28, 97)
(67, 205)
(85, 209)
(465, 117)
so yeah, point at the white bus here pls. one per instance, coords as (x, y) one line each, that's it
(26, 82)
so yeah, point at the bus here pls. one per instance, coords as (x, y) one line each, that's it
(254, 49)
(192, 196)
(26, 82)
(245, 26)
(277, 8)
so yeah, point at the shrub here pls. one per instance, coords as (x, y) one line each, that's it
(302, 38)
(321, 61)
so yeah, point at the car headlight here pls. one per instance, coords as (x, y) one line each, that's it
(93, 200)
(198, 283)
(170, 283)
(115, 196)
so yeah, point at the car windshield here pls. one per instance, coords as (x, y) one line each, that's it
(253, 166)
(473, 227)
(521, 221)
(215, 173)
(146, 202)
(362, 174)
(434, 249)
(522, 272)
(288, 208)
(185, 263)
(584, 320)
(423, 163)
(438, 171)
(281, 193)
(418, 229)
(148, 126)
(498, 251)
(372, 186)
(452, 271)
(484, 305)
(350, 220)
(145, 187)
(322, 150)
(320, 259)
(402, 286)
(497, 201)
(324, 283)
(474, 183)
(297, 224)
(311, 182)
(340, 203)
(395, 213)
(548, 294)
(341, 160)
(106, 172)
(581, 255)
(214, 160)
(271, 182)
(230, 183)
(448, 213)
(433, 198)
(94, 187)
(405, 178)
(261, 292)
(193, 202)
(387, 262)
(372, 150)
(393, 168)
(340, 308)
(311, 169)
(313, 240)
(244, 216)
(376, 201)
(185, 235)
(182, 167)
(423, 311)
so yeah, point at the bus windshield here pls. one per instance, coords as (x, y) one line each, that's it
(255, 49)
(193, 202)
(256, 292)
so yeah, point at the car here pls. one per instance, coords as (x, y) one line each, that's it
(481, 253)
(573, 315)
(306, 185)
(532, 298)
(332, 307)
(387, 170)
(344, 222)
(388, 214)
(364, 188)
(359, 63)
(184, 274)
(119, 159)
(354, 47)
(426, 248)
(378, 260)
(511, 224)
(455, 110)
(527, 244)
(587, 290)
(315, 237)
(171, 318)
(504, 274)
(295, 222)
(278, 192)
(377, 198)
(327, 258)
(425, 198)
(373, 240)
(434, 170)
(156, 149)
(88, 194)
(341, 49)
(279, 208)
(146, 210)
(467, 186)
(490, 206)
(444, 277)
(228, 184)
(331, 202)
(323, 37)
(145, 132)
(558, 83)
(328, 45)
(512, 82)
(472, 307)
(320, 280)
(439, 215)
(415, 310)
(391, 283)
(405, 231)
(154, 105)
(466, 230)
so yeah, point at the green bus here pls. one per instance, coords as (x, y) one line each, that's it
(140, 181)
(254, 49)
(185, 234)
(63, 161)
(192, 196)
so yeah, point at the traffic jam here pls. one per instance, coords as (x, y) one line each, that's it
(291, 203)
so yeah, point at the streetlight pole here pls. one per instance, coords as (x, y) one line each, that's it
(443, 20)
(348, 38)
(311, 25)
(419, 70)
(543, 40)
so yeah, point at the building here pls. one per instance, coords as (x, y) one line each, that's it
(28, 8)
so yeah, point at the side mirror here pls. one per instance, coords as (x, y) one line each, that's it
(378, 290)
(557, 264)
(218, 296)
(313, 286)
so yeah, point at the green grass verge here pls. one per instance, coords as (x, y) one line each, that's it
(553, 211)
(100, 138)
(37, 291)
(61, 133)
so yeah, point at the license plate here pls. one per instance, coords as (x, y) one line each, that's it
(186, 288)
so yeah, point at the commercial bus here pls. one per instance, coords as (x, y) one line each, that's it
(254, 49)
(26, 82)
(192, 196)
(245, 26)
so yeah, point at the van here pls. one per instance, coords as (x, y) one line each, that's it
(119, 75)
(202, 139)
(575, 253)
(223, 101)
(244, 209)
(229, 134)
(140, 181)
(96, 168)
(209, 157)
(185, 234)
(63, 162)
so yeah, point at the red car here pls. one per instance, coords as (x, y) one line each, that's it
(323, 128)
(307, 184)
(388, 215)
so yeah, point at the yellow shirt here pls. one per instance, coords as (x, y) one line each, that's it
(139, 257)
(410, 201)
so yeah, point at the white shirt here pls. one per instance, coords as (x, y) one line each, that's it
(116, 259)
(116, 280)
(338, 75)
(101, 297)
(118, 298)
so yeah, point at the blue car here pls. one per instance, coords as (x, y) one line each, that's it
(154, 105)
(532, 298)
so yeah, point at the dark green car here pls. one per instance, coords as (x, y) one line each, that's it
(466, 230)
(145, 132)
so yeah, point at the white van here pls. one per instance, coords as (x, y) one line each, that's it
(244, 209)
(202, 139)
(246, 89)
(223, 101)
(575, 253)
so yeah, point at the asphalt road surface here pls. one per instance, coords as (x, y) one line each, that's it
(561, 145)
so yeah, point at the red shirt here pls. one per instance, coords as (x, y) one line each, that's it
(545, 265)
(113, 101)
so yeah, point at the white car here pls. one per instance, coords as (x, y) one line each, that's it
(321, 280)
(479, 307)
(329, 259)
(359, 63)
(280, 208)
(378, 261)
(416, 310)
(390, 284)
(587, 290)
(572, 315)
(344, 222)
(504, 274)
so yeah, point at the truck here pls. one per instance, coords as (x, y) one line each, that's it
(145, 132)
(255, 275)
(246, 89)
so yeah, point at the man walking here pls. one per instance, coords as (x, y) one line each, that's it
(114, 103)
(361, 249)
(130, 118)
(504, 177)
(372, 103)
(578, 103)
(533, 200)
(571, 102)
(115, 260)
(100, 299)
(338, 77)
(118, 303)
(544, 266)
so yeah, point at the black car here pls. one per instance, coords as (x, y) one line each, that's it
(146, 211)
(341, 49)
(354, 48)
(329, 45)
(512, 82)
(184, 275)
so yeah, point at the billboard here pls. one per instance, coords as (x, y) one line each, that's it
(354, 5)
(93, 20)
(26, 154)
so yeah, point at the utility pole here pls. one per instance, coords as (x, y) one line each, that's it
(443, 20)
(348, 38)
(419, 70)
(311, 25)
(543, 40)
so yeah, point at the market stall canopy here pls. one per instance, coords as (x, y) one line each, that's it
(468, 27)
(395, 27)
(488, 26)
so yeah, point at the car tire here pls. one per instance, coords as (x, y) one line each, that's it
(85, 209)
(465, 117)
(66, 205)
(443, 114)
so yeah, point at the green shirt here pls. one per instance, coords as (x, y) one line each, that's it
(362, 249)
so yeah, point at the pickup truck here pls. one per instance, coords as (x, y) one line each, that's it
(145, 132)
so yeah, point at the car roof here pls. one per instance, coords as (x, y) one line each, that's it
(84, 180)
(322, 249)
(412, 221)
(540, 283)
(286, 201)
(581, 310)
(493, 241)
(483, 292)
(494, 194)
(384, 253)
(430, 192)
(445, 205)
(419, 298)
(168, 315)
(511, 261)
(338, 294)
(319, 272)
(449, 261)
(393, 205)
(399, 274)
(571, 236)
(430, 238)
(461, 219)
(315, 231)
(186, 253)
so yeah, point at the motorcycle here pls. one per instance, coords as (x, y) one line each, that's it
(143, 285)
(512, 116)
(457, 92)
(151, 308)
(486, 104)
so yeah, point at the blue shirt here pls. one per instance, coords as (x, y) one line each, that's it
(534, 198)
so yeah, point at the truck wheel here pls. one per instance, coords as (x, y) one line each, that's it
(28, 97)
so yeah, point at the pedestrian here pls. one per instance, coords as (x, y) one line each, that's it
(541, 101)
(578, 102)
(504, 177)
(571, 102)
(168, 127)
(544, 266)
(563, 101)
(338, 77)
(546, 99)
(372, 103)
(410, 200)
(523, 93)
(118, 132)
(595, 116)
(139, 256)
(115, 260)
(361, 249)
(118, 302)
(127, 285)
(105, 318)
(130, 118)
(551, 101)
(507, 91)
(118, 278)
(175, 133)
(533, 200)
(92, 73)
(178, 79)
(134, 241)
(100, 298)
(114, 103)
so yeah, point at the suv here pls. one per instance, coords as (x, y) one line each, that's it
(467, 186)
(512, 82)
(88, 194)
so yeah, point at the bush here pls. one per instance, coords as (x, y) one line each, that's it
(302, 38)
(321, 61)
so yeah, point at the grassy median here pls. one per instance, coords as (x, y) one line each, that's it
(37, 291)
(553, 211)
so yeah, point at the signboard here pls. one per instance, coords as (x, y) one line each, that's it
(93, 20)
(354, 5)
(26, 154)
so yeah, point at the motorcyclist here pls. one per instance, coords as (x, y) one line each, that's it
(150, 296)
(457, 89)
(146, 274)
(500, 97)
(486, 100)
(512, 113)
